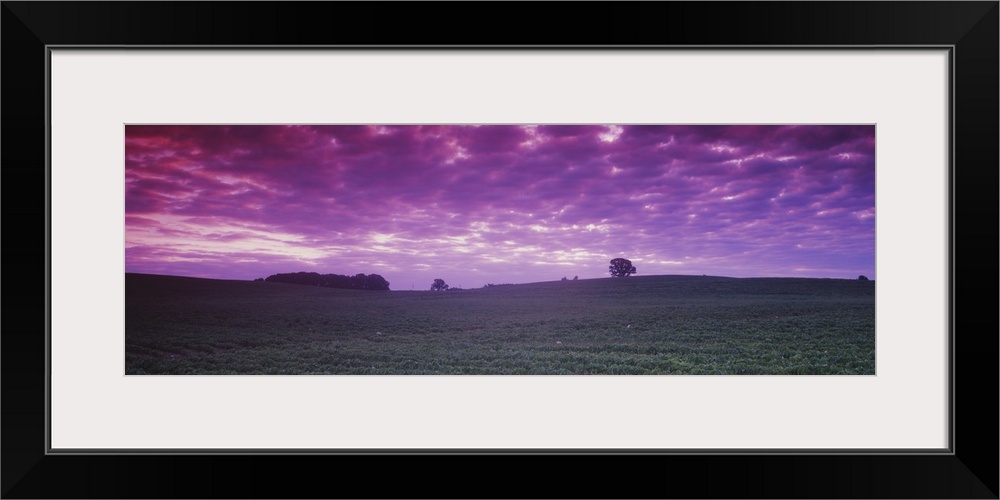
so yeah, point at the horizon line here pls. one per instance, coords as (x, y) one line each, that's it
(536, 282)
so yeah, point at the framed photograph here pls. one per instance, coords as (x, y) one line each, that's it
(728, 252)
(750, 239)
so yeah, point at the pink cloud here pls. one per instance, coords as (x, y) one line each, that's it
(486, 202)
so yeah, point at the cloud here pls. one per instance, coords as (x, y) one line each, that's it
(738, 200)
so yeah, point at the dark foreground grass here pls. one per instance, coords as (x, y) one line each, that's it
(636, 325)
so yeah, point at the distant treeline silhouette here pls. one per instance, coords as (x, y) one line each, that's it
(357, 282)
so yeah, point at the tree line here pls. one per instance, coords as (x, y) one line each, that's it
(359, 281)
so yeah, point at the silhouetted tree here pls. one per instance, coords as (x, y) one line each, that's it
(862, 278)
(299, 278)
(359, 281)
(376, 282)
(439, 285)
(621, 267)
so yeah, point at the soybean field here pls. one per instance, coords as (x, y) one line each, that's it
(638, 325)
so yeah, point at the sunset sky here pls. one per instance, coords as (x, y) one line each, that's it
(499, 203)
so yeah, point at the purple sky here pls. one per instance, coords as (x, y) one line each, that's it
(499, 203)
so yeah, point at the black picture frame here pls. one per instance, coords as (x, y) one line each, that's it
(970, 470)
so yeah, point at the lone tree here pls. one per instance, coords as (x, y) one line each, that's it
(439, 285)
(621, 267)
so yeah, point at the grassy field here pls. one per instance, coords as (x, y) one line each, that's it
(636, 325)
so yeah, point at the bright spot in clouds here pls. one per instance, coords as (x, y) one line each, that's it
(381, 238)
(612, 134)
(499, 203)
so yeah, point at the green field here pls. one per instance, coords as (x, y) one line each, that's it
(656, 325)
